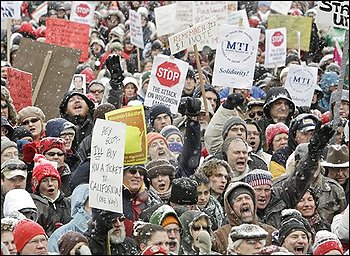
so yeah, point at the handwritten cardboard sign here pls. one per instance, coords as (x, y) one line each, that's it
(136, 35)
(301, 83)
(70, 34)
(106, 166)
(235, 56)
(165, 19)
(333, 13)
(136, 140)
(20, 87)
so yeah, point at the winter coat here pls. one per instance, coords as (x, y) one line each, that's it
(65, 174)
(84, 125)
(215, 212)
(79, 215)
(81, 174)
(220, 236)
(72, 160)
(52, 214)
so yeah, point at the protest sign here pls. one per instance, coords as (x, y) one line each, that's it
(106, 166)
(301, 83)
(333, 13)
(165, 19)
(136, 140)
(293, 25)
(136, 35)
(199, 33)
(69, 34)
(233, 18)
(11, 10)
(281, 7)
(275, 47)
(184, 13)
(166, 84)
(19, 84)
(82, 12)
(60, 68)
(236, 56)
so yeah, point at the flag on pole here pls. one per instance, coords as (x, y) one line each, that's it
(337, 53)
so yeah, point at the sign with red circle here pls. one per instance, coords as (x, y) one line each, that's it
(82, 10)
(277, 38)
(168, 74)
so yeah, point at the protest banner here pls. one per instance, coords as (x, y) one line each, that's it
(166, 84)
(136, 141)
(69, 34)
(293, 25)
(165, 19)
(82, 12)
(58, 73)
(11, 10)
(333, 13)
(184, 13)
(40, 11)
(301, 83)
(275, 47)
(19, 84)
(136, 35)
(234, 18)
(236, 56)
(281, 7)
(106, 166)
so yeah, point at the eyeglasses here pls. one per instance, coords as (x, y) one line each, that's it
(3, 106)
(33, 120)
(37, 241)
(12, 167)
(96, 91)
(69, 134)
(134, 171)
(54, 153)
(199, 227)
(254, 241)
(253, 114)
(120, 219)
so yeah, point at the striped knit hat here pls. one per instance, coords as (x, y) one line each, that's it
(258, 177)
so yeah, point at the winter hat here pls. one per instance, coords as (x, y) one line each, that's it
(160, 167)
(154, 250)
(307, 124)
(292, 220)
(70, 94)
(17, 199)
(67, 241)
(130, 80)
(156, 110)
(170, 219)
(344, 97)
(55, 126)
(51, 142)
(95, 82)
(145, 77)
(9, 128)
(13, 167)
(6, 143)
(258, 177)
(274, 129)
(43, 168)
(5, 96)
(184, 191)
(234, 120)
(329, 79)
(102, 109)
(169, 130)
(284, 72)
(241, 188)
(30, 111)
(153, 136)
(89, 74)
(274, 250)
(20, 132)
(247, 231)
(164, 215)
(326, 241)
(337, 156)
(24, 231)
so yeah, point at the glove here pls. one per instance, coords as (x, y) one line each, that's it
(319, 140)
(233, 101)
(114, 68)
(204, 243)
(189, 106)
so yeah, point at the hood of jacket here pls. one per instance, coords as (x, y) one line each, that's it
(17, 199)
(343, 97)
(70, 94)
(274, 94)
(78, 198)
(207, 87)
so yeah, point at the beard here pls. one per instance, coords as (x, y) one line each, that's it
(117, 239)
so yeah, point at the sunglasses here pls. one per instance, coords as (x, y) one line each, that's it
(33, 120)
(54, 153)
(199, 227)
(253, 114)
(70, 135)
(120, 219)
(3, 106)
(12, 167)
(134, 171)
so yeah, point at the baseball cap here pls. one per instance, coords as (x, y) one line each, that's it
(14, 167)
(306, 124)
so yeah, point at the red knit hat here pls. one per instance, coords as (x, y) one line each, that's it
(24, 231)
(326, 241)
(274, 129)
(51, 142)
(154, 250)
(43, 168)
(153, 136)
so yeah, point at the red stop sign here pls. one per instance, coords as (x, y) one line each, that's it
(168, 74)
(82, 10)
(277, 38)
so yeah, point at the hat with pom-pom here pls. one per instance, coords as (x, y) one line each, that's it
(274, 129)
(51, 142)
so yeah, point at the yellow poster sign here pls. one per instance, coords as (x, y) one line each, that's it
(136, 140)
(293, 24)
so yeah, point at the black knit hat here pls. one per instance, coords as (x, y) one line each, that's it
(20, 132)
(160, 167)
(184, 191)
(70, 94)
(157, 110)
(102, 109)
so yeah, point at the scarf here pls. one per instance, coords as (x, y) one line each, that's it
(163, 195)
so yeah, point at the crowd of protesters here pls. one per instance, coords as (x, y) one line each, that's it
(251, 174)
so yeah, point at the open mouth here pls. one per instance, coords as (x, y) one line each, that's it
(51, 190)
(240, 164)
(299, 250)
(245, 211)
(161, 186)
(172, 245)
(161, 153)
(252, 143)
